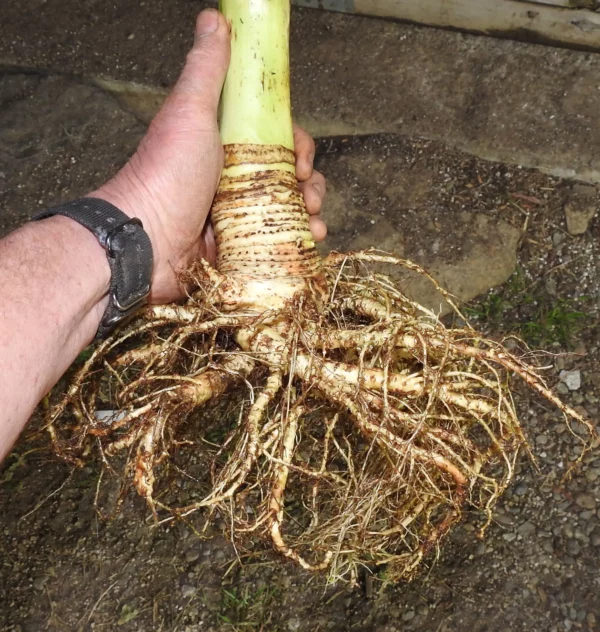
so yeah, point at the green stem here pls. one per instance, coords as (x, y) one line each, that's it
(255, 104)
(261, 226)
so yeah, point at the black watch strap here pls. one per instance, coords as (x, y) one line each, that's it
(129, 253)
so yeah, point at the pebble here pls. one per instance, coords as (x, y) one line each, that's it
(571, 379)
(187, 591)
(588, 514)
(504, 519)
(585, 501)
(579, 212)
(527, 529)
(572, 614)
(548, 546)
(220, 556)
(563, 389)
(192, 555)
(573, 547)
(509, 537)
(568, 531)
(521, 489)
(409, 615)
(595, 538)
(293, 624)
(211, 597)
(40, 581)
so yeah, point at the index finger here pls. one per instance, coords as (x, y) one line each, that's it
(304, 147)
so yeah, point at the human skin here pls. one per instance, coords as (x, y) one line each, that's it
(54, 275)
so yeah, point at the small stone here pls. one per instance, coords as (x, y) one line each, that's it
(131, 36)
(568, 531)
(521, 489)
(563, 389)
(40, 581)
(572, 379)
(211, 597)
(595, 538)
(551, 285)
(588, 514)
(409, 615)
(220, 556)
(580, 188)
(504, 519)
(573, 547)
(585, 501)
(192, 555)
(187, 591)
(509, 537)
(572, 614)
(293, 624)
(580, 536)
(548, 547)
(579, 212)
(527, 529)
(592, 474)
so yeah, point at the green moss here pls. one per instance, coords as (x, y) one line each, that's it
(525, 309)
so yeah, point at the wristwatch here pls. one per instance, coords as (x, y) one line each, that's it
(129, 253)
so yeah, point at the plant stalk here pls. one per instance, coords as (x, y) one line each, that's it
(264, 243)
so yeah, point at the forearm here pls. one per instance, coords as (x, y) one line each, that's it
(54, 279)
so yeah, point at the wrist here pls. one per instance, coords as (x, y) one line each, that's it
(86, 252)
(80, 261)
(127, 250)
(131, 197)
(133, 204)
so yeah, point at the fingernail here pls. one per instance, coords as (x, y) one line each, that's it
(208, 22)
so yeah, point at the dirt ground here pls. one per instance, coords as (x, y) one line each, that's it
(476, 224)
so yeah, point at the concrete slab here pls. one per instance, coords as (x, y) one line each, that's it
(58, 139)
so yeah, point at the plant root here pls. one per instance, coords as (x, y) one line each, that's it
(355, 430)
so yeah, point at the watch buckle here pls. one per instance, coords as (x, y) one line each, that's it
(134, 221)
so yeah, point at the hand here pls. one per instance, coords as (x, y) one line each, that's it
(172, 178)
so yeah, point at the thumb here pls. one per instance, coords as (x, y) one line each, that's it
(206, 64)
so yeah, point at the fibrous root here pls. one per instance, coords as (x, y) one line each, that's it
(357, 429)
